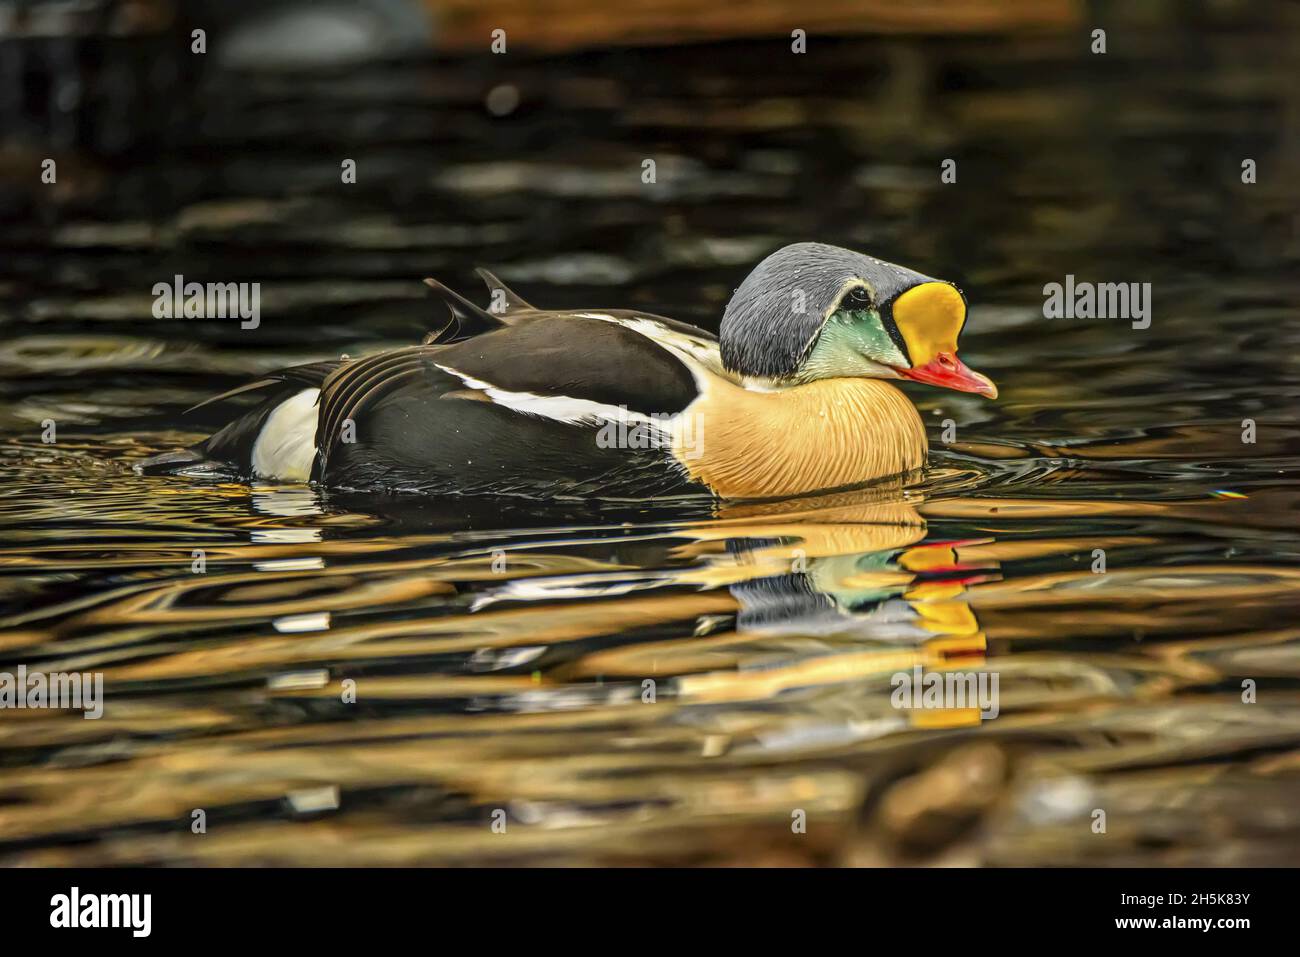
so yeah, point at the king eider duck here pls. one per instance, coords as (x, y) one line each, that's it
(791, 398)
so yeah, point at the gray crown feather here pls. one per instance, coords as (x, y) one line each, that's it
(762, 334)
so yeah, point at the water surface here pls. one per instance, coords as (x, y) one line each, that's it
(504, 655)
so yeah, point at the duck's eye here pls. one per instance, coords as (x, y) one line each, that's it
(858, 296)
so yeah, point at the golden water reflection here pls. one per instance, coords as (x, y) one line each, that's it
(657, 689)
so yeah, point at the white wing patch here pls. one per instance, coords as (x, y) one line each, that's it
(286, 445)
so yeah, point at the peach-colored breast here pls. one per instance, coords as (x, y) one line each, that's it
(744, 443)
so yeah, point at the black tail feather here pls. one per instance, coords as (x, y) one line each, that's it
(170, 463)
(231, 446)
(309, 375)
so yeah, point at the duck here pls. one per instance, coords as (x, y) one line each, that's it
(794, 396)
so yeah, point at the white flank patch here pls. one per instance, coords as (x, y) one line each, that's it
(287, 443)
(560, 408)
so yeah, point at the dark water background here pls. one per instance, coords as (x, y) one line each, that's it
(500, 653)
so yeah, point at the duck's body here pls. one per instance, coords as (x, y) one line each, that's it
(594, 403)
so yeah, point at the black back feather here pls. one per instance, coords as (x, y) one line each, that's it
(467, 319)
(513, 301)
(559, 355)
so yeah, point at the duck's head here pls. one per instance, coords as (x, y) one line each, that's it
(811, 311)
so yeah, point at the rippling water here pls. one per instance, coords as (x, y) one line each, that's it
(672, 685)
